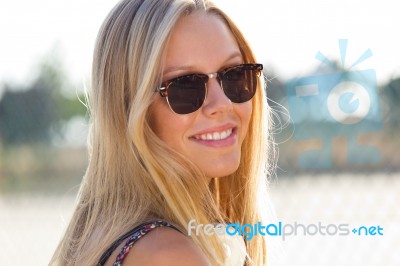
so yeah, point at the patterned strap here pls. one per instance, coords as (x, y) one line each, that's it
(133, 236)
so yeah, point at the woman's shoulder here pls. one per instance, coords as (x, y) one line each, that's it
(163, 246)
(166, 246)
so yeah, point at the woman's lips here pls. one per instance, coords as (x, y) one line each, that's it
(221, 135)
(221, 138)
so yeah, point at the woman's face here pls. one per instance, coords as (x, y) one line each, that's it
(202, 43)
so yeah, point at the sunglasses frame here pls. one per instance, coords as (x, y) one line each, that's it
(163, 89)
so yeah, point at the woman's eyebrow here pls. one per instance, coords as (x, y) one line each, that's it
(233, 55)
(175, 68)
(190, 68)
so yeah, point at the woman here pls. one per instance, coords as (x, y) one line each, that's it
(192, 148)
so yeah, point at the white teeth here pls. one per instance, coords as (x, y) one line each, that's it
(215, 135)
(223, 135)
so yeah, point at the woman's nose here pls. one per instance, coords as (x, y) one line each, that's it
(216, 101)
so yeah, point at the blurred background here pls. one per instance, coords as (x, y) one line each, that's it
(333, 70)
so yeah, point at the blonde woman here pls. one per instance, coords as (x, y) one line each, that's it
(178, 134)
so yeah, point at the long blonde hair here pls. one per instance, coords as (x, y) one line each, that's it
(132, 175)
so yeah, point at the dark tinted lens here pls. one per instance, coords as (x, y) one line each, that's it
(240, 83)
(186, 94)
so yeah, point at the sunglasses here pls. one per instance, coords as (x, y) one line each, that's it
(186, 94)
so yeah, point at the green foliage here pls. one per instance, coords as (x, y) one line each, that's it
(33, 113)
(26, 116)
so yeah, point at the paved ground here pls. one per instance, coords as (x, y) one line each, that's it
(356, 200)
(30, 226)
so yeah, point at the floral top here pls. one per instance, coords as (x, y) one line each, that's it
(234, 245)
(132, 237)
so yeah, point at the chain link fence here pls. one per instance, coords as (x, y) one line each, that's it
(43, 158)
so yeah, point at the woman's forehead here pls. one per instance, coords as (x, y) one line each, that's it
(198, 40)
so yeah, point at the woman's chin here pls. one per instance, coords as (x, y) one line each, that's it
(224, 170)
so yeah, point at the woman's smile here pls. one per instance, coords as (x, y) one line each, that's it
(222, 136)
